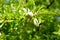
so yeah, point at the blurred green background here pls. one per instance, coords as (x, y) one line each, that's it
(29, 19)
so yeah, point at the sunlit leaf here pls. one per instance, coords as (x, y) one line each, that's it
(1, 21)
(1, 25)
(9, 20)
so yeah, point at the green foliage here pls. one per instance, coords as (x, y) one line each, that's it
(29, 20)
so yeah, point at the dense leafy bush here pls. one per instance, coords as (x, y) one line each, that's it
(29, 20)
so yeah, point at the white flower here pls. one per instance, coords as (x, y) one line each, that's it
(24, 9)
(29, 14)
(36, 22)
(0, 34)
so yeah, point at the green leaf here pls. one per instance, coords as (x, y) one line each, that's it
(40, 20)
(1, 21)
(9, 20)
(1, 25)
(58, 32)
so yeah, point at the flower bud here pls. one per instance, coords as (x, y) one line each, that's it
(36, 22)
